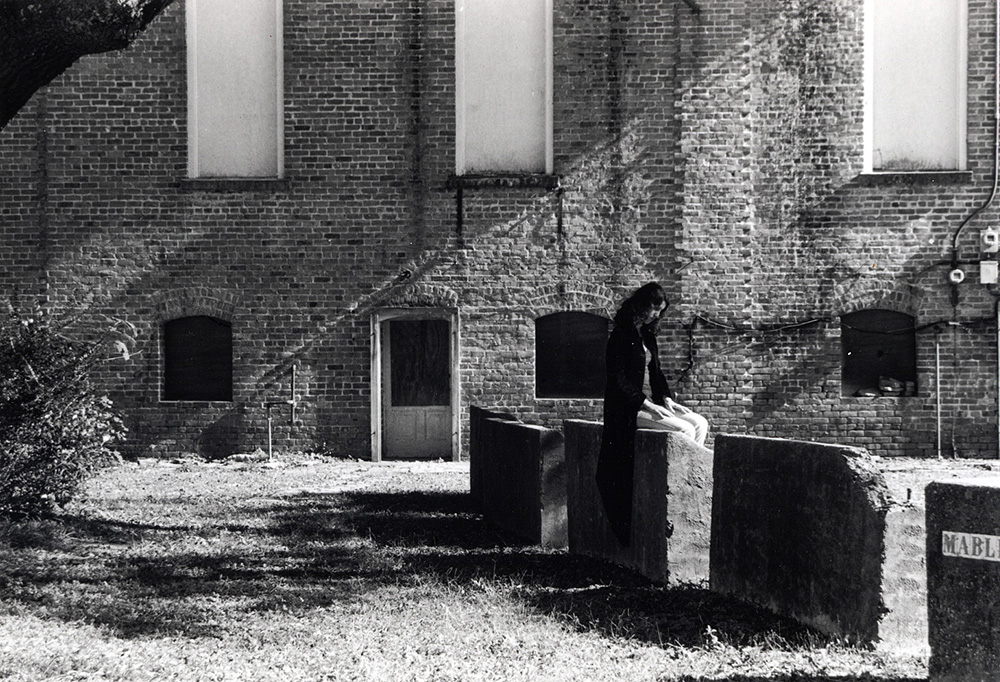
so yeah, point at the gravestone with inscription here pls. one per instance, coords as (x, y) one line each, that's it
(963, 579)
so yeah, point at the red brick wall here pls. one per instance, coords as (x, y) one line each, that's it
(719, 153)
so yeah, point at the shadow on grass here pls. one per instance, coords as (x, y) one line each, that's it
(311, 551)
(794, 677)
(458, 545)
(142, 579)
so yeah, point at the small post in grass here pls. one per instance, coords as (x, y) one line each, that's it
(269, 405)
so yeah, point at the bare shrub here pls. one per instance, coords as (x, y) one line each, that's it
(55, 430)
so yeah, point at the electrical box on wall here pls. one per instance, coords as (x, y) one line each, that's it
(989, 240)
(988, 272)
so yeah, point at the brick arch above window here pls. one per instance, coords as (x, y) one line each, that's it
(853, 296)
(174, 303)
(420, 294)
(597, 300)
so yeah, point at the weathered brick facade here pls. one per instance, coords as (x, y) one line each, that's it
(719, 152)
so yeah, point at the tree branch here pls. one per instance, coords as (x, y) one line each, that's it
(39, 39)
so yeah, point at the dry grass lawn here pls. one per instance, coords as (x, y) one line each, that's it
(327, 569)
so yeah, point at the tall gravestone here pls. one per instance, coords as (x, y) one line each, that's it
(963, 579)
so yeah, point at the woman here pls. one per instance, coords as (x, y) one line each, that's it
(636, 396)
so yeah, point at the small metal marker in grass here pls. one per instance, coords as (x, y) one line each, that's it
(269, 404)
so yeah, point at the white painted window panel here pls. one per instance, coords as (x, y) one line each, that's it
(234, 88)
(917, 51)
(503, 86)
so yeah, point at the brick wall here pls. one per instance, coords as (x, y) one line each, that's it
(719, 153)
(782, 232)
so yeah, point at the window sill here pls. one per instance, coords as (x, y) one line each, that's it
(541, 180)
(879, 178)
(234, 184)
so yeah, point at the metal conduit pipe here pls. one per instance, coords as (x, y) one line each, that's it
(937, 387)
(996, 139)
(996, 170)
(976, 212)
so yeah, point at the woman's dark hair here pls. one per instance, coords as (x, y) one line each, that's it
(636, 305)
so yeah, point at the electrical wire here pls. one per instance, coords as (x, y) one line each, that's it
(697, 318)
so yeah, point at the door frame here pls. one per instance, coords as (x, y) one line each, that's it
(385, 315)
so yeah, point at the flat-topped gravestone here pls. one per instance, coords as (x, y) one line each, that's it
(477, 446)
(800, 528)
(671, 510)
(963, 579)
(518, 476)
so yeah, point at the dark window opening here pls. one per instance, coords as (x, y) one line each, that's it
(878, 353)
(569, 355)
(197, 359)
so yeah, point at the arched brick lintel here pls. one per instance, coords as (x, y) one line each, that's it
(597, 300)
(875, 295)
(176, 303)
(420, 295)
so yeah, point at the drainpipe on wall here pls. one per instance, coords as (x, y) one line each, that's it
(42, 145)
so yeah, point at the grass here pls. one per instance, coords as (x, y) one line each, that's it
(340, 570)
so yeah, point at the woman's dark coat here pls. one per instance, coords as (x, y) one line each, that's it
(623, 397)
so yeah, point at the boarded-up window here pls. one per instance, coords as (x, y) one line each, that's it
(916, 55)
(503, 86)
(569, 355)
(234, 88)
(197, 359)
(879, 353)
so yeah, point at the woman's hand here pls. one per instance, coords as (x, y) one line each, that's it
(677, 407)
(656, 412)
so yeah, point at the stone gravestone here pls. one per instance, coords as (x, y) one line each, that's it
(963, 579)
(671, 511)
(801, 528)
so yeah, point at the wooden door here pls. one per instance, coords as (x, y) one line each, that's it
(416, 395)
